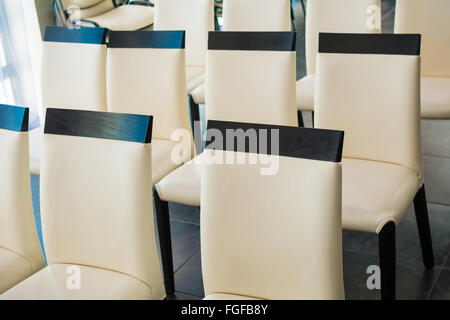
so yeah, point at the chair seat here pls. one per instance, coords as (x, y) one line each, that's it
(125, 18)
(199, 94)
(305, 93)
(162, 162)
(374, 193)
(51, 284)
(435, 98)
(183, 184)
(226, 296)
(13, 269)
(195, 76)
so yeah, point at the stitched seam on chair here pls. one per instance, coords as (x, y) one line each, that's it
(401, 165)
(101, 268)
(27, 259)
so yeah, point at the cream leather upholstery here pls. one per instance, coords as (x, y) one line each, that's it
(73, 75)
(107, 230)
(435, 97)
(251, 15)
(257, 15)
(196, 17)
(96, 10)
(431, 20)
(124, 18)
(303, 258)
(20, 251)
(96, 284)
(268, 78)
(269, 97)
(82, 4)
(150, 81)
(345, 16)
(382, 166)
(374, 193)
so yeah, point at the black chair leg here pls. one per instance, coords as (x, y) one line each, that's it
(292, 17)
(300, 119)
(194, 111)
(423, 225)
(386, 242)
(312, 118)
(165, 242)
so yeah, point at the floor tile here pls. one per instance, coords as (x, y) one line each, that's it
(183, 213)
(407, 237)
(189, 278)
(441, 290)
(408, 243)
(413, 281)
(185, 242)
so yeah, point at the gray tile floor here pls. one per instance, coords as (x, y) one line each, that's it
(360, 249)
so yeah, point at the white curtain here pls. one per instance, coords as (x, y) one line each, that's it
(19, 56)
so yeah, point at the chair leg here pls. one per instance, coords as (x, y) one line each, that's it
(194, 111)
(300, 119)
(292, 17)
(165, 242)
(423, 225)
(386, 243)
(312, 118)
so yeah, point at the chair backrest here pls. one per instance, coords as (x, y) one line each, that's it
(345, 16)
(256, 15)
(74, 68)
(369, 86)
(273, 236)
(431, 19)
(17, 224)
(96, 183)
(196, 17)
(146, 75)
(250, 77)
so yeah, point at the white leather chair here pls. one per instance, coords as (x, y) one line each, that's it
(20, 251)
(368, 85)
(262, 63)
(196, 17)
(249, 15)
(431, 20)
(87, 8)
(145, 75)
(130, 16)
(73, 75)
(346, 16)
(96, 212)
(268, 236)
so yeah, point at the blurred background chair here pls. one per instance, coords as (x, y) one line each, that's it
(145, 75)
(262, 63)
(346, 16)
(122, 15)
(20, 251)
(360, 78)
(196, 17)
(274, 236)
(94, 219)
